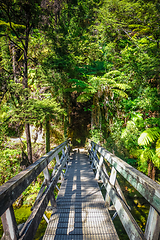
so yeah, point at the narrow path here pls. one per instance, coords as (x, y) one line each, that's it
(80, 212)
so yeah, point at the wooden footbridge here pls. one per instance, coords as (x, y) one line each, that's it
(80, 211)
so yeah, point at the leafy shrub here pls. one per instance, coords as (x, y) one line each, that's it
(9, 164)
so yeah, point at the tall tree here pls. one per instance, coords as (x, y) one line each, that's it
(19, 17)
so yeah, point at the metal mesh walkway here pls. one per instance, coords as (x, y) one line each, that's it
(80, 212)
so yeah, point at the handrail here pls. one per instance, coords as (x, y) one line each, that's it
(12, 189)
(149, 189)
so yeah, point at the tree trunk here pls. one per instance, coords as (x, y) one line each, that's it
(47, 134)
(14, 61)
(29, 147)
(25, 85)
(149, 169)
(153, 173)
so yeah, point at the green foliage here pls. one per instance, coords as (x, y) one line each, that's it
(149, 136)
(129, 135)
(102, 53)
(33, 110)
(11, 25)
(96, 135)
(10, 164)
(148, 139)
(158, 147)
(148, 155)
(30, 194)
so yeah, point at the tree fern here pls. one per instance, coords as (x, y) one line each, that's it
(156, 161)
(148, 136)
(147, 154)
(136, 153)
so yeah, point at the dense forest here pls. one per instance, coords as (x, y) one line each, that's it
(81, 70)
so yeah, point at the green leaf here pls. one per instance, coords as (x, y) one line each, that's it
(149, 136)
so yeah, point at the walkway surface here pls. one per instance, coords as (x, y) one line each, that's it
(80, 212)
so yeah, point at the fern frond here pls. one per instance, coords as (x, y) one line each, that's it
(121, 86)
(158, 147)
(146, 155)
(112, 73)
(84, 97)
(149, 136)
(120, 93)
(135, 153)
(156, 161)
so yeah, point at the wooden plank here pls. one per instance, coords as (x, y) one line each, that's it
(12, 189)
(148, 188)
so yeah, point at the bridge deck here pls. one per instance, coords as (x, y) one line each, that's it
(80, 212)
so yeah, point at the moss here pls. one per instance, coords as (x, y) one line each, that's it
(22, 215)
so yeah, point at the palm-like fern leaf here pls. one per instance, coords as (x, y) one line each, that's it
(121, 86)
(156, 161)
(149, 136)
(146, 155)
(158, 147)
(120, 93)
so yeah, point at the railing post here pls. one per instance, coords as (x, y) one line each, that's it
(152, 229)
(91, 152)
(9, 225)
(63, 155)
(47, 178)
(112, 181)
(99, 167)
(57, 159)
(94, 156)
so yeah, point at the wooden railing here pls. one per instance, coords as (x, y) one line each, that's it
(149, 189)
(12, 189)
